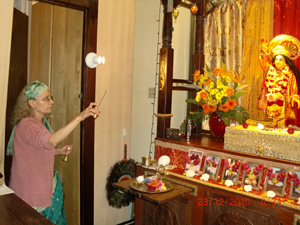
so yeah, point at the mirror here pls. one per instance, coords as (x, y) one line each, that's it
(183, 44)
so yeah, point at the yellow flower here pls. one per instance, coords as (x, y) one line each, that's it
(211, 85)
(219, 84)
(219, 96)
(213, 91)
(198, 97)
(214, 102)
(228, 79)
(264, 194)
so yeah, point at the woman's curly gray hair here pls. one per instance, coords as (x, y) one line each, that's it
(22, 108)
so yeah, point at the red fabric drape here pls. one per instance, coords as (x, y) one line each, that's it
(287, 21)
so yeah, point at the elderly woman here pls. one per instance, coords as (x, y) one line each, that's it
(33, 146)
(281, 85)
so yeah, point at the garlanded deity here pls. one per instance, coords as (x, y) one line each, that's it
(279, 97)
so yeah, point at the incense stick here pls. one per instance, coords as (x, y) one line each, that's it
(95, 116)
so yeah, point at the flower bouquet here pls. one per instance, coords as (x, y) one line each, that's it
(219, 92)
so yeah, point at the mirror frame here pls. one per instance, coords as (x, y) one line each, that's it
(90, 10)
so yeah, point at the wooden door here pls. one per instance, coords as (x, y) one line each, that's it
(56, 55)
(17, 72)
(89, 9)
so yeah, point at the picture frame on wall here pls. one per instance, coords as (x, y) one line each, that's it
(252, 173)
(193, 160)
(211, 166)
(231, 170)
(275, 180)
(295, 185)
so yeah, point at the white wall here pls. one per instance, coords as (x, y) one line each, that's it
(144, 71)
(6, 15)
(115, 40)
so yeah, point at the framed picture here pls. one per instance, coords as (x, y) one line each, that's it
(212, 166)
(231, 170)
(295, 185)
(193, 160)
(276, 180)
(252, 173)
(296, 219)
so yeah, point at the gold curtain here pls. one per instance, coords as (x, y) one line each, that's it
(224, 35)
(232, 36)
(258, 23)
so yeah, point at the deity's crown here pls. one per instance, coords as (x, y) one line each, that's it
(280, 50)
(285, 45)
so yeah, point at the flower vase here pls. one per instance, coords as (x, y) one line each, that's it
(216, 126)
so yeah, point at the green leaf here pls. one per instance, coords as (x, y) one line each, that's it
(237, 94)
(235, 85)
(193, 101)
(207, 68)
(197, 116)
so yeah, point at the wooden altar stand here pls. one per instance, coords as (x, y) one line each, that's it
(160, 208)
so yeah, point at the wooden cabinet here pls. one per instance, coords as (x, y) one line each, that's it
(212, 202)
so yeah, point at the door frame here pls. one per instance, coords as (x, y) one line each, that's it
(88, 82)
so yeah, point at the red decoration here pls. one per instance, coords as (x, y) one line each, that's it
(194, 9)
(245, 125)
(284, 13)
(290, 130)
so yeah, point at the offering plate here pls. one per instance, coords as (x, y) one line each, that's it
(142, 187)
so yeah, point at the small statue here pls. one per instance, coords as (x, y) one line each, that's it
(279, 96)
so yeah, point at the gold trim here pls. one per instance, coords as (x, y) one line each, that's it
(163, 115)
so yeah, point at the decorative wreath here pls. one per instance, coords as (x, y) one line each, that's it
(122, 170)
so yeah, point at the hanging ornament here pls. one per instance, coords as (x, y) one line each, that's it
(175, 13)
(194, 9)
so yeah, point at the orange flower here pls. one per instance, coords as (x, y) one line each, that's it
(217, 71)
(203, 94)
(224, 108)
(212, 108)
(231, 104)
(197, 76)
(205, 108)
(229, 91)
(207, 82)
(222, 72)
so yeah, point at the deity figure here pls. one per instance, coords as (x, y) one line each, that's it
(279, 97)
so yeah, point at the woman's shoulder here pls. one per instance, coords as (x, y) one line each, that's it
(26, 121)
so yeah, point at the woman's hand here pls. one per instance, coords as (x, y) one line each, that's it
(89, 111)
(66, 150)
(63, 132)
